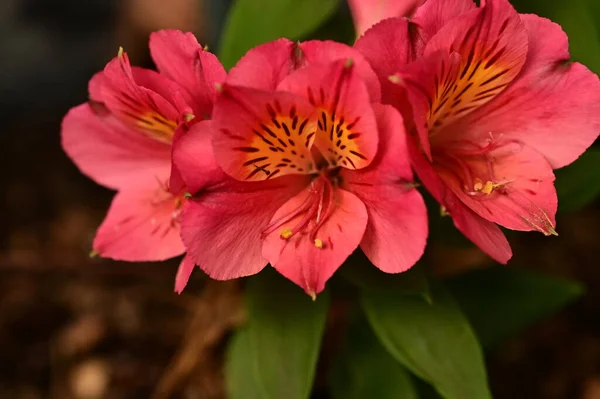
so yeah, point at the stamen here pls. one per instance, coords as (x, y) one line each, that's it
(318, 243)
(286, 233)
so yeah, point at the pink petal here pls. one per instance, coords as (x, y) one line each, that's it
(486, 235)
(324, 52)
(525, 198)
(194, 159)
(388, 47)
(222, 228)
(492, 42)
(262, 135)
(552, 106)
(264, 66)
(434, 14)
(397, 226)
(180, 57)
(184, 271)
(367, 13)
(347, 130)
(306, 261)
(142, 224)
(111, 153)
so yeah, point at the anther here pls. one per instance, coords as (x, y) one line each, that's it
(318, 243)
(286, 233)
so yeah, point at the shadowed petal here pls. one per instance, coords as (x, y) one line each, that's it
(222, 228)
(142, 224)
(111, 153)
(397, 226)
(434, 14)
(512, 186)
(184, 271)
(180, 57)
(367, 13)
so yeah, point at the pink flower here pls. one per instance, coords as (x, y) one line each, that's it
(496, 106)
(122, 139)
(367, 13)
(309, 168)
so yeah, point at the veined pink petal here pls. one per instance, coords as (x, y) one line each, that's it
(347, 130)
(397, 225)
(434, 14)
(184, 271)
(367, 13)
(511, 185)
(263, 135)
(141, 99)
(552, 106)
(194, 160)
(388, 47)
(325, 52)
(222, 228)
(111, 153)
(142, 224)
(264, 66)
(492, 43)
(486, 235)
(310, 261)
(180, 57)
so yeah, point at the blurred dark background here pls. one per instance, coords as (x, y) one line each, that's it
(75, 327)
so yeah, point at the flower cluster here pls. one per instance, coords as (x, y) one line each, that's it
(304, 152)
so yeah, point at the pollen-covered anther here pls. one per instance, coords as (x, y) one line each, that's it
(486, 188)
(286, 233)
(318, 243)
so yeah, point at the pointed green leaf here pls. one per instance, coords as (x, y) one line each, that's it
(433, 340)
(501, 301)
(363, 369)
(579, 183)
(240, 373)
(253, 22)
(285, 327)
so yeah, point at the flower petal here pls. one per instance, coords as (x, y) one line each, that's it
(111, 153)
(262, 135)
(265, 66)
(184, 271)
(388, 47)
(512, 186)
(492, 44)
(347, 130)
(140, 99)
(222, 227)
(310, 262)
(194, 159)
(367, 13)
(142, 224)
(553, 106)
(180, 57)
(434, 14)
(397, 226)
(486, 235)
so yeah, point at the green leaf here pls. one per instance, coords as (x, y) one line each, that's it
(359, 271)
(579, 183)
(433, 340)
(253, 22)
(500, 301)
(240, 373)
(285, 328)
(364, 369)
